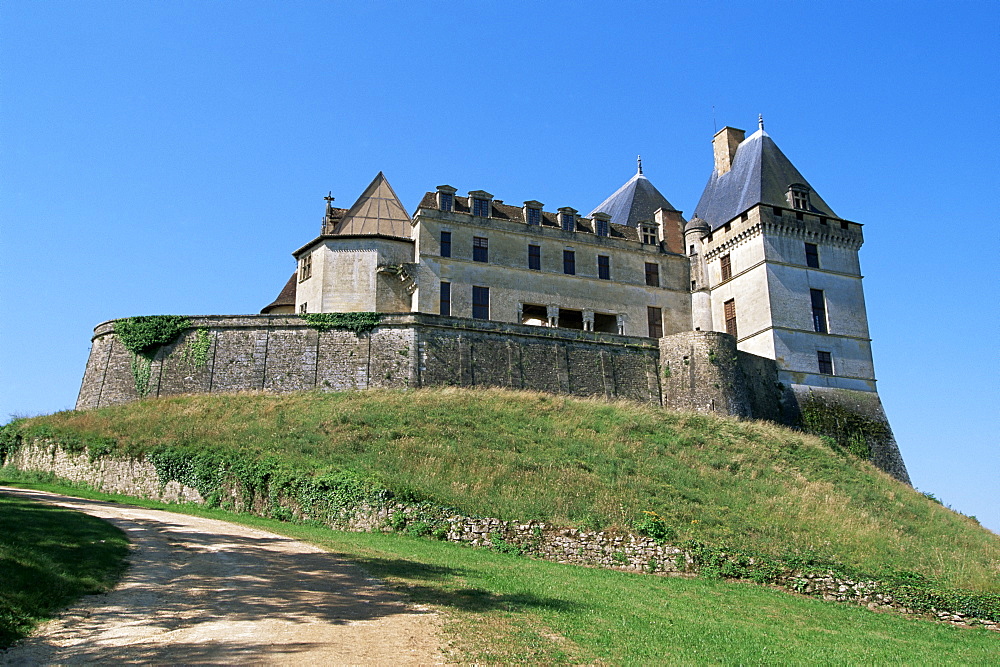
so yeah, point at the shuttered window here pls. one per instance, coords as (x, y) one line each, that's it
(604, 267)
(480, 249)
(730, 313)
(569, 262)
(652, 274)
(825, 360)
(654, 317)
(481, 303)
(535, 257)
(481, 207)
(727, 267)
(445, 304)
(446, 244)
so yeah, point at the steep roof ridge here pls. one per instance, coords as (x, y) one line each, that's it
(760, 174)
(636, 200)
(377, 211)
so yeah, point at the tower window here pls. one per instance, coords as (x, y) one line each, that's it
(569, 262)
(445, 301)
(568, 221)
(481, 207)
(305, 267)
(303, 308)
(812, 255)
(648, 235)
(798, 196)
(481, 303)
(818, 310)
(446, 244)
(654, 320)
(729, 309)
(480, 249)
(727, 267)
(534, 216)
(690, 249)
(825, 360)
(843, 224)
(652, 274)
(535, 257)
(604, 267)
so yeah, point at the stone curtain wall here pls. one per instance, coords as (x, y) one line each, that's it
(282, 353)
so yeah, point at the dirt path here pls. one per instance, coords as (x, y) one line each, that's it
(205, 591)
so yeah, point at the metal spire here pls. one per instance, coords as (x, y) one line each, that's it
(638, 159)
(760, 121)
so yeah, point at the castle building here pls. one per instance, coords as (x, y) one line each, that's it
(752, 308)
(763, 258)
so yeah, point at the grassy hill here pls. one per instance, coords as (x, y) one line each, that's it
(514, 455)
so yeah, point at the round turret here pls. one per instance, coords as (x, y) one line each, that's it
(697, 225)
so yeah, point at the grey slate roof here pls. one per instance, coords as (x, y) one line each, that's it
(633, 202)
(760, 174)
(286, 297)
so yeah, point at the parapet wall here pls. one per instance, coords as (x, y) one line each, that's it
(283, 353)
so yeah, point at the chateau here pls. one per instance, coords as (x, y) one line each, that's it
(751, 307)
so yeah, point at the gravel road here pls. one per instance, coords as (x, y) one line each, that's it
(201, 591)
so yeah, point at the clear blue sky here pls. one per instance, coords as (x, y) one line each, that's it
(166, 157)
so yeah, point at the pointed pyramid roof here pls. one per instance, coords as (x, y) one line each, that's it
(377, 211)
(633, 202)
(760, 174)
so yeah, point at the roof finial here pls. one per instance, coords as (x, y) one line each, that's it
(760, 121)
(638, 159)
(329, 198)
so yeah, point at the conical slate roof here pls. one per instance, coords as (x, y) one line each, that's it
(760, 174)
(377, 211)
(633, 202)
(285, 298)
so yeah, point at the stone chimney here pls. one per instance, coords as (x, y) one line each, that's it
(724, 143)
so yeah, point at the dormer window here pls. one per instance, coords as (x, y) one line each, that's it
(446, 198)
(602, 224)
(798, 196)
(648, 234)
(481, 203)
(533, 212)
(567, 219)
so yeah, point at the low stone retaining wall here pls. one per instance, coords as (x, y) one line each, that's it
(137, 477)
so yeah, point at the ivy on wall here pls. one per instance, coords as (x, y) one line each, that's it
(195, 352)
(849, 431)
(143, 336)
(356, 322)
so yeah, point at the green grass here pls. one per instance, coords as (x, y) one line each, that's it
(516, 455)
(501, 608)
(48, 558)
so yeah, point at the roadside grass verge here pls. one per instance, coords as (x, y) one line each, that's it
(751, 487)
(49, 557)
(500, 608)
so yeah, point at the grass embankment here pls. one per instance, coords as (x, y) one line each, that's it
(48, 558)
(501, 609)
(514, 455)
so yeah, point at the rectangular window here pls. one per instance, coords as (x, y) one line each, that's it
(825, 360)
(480, 249)
(730, 313)
(649, 235)
(481, 303)
(654, 319)
(690, 249)
(568, 221)
(652, 274)
(776, 211)
(446, 244)
(727, 267)
(481, 207)
(304, 308)
(445, 302)
(812, 255)
(604, 267)
(843, 224)
(535, 257)
(800, 200)
(305, 267)
(601, 227)
(534, 216)
(447, 201)
(569, 262)
(818, 310)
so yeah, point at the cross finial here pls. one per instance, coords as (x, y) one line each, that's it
(638, 159)
(329, 198)
(760, 121)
